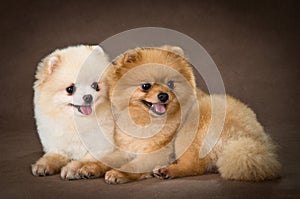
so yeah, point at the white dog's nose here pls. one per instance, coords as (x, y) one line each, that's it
(87, 98)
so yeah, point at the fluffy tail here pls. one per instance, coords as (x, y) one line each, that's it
(249, 159)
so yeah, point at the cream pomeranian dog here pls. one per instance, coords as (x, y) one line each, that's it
(163, 119)
(68, 96)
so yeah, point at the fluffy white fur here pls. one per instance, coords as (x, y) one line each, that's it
(64, 130)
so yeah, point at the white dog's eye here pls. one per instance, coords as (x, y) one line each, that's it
(71, 89)
(95, 86)
(170, 84)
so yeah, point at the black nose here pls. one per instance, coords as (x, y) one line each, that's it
(163, 97)
(87, 98)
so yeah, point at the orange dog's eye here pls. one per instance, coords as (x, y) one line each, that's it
(146, 86)
(170, 84)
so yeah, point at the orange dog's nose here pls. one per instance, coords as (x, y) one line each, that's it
(163, 97)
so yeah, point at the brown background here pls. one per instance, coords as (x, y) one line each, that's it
(254, 44)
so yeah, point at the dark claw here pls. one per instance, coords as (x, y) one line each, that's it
(161, 173)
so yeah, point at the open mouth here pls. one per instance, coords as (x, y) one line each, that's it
(157, 108)
(83, 109)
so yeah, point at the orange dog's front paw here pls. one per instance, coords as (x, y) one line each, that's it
(116, 177)
(161, 173)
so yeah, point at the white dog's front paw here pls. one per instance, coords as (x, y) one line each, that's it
(39, 169)
(115, 177)
(43, 168)
(71, 171)
(91, 170)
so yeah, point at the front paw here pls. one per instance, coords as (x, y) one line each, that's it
(91, 170)
(42, 169)
(161, 173)
(116, 177)
(71, 171)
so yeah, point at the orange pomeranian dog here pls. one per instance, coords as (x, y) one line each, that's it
(163, 119)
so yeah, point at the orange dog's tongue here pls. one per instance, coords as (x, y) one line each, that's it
(160, 108)
(86, 110)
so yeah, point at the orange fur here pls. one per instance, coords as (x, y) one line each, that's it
(142, 154)
(242, 152)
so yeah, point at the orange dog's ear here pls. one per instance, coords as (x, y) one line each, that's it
(132, 56)
(52, 62)
(174, 49)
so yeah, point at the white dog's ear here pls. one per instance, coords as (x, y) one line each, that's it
(174, 49)
(98, 49)
(52, 62)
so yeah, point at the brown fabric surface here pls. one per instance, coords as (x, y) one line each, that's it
(254, 44)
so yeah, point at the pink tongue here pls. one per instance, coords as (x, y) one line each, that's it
(86, 110)
(160, 108)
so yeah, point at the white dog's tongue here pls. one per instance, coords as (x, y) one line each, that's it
(159, 108)
(86, 110)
